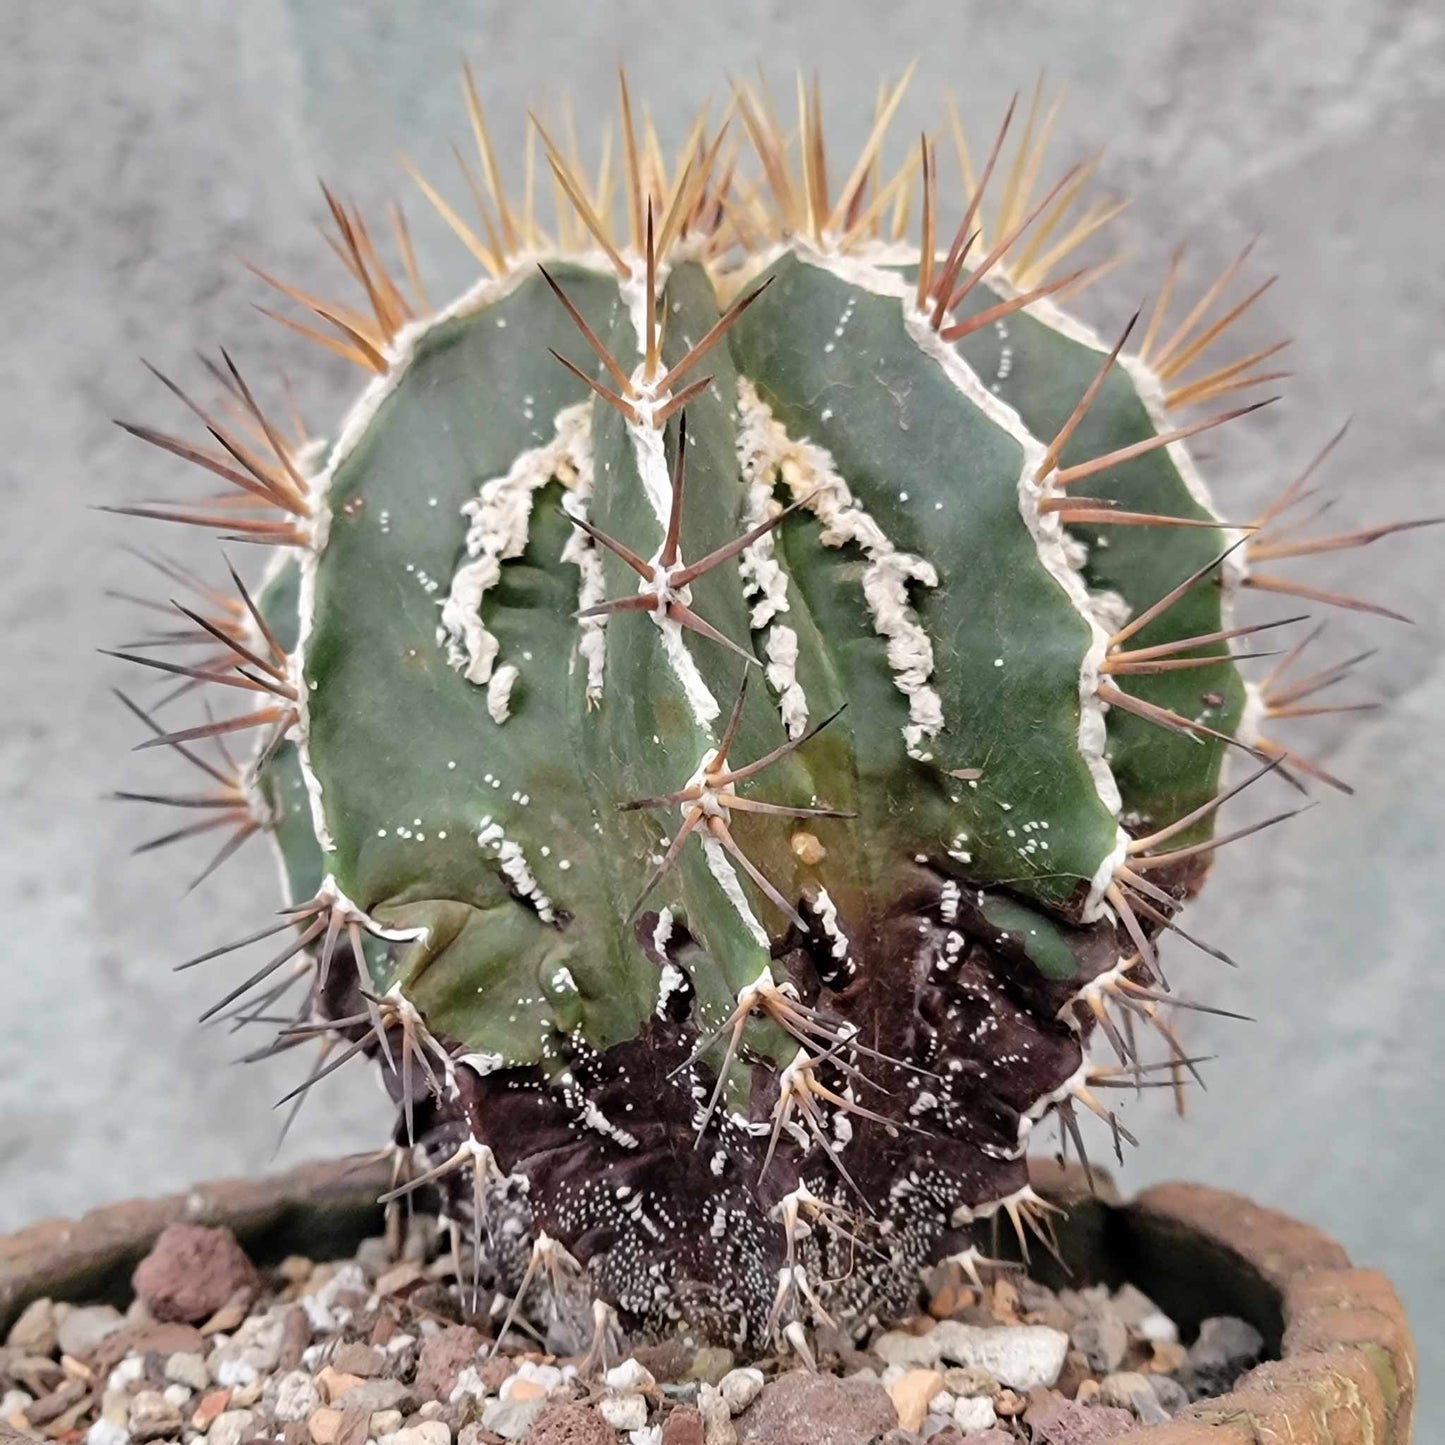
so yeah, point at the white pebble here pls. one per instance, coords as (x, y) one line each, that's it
(630, 1375)
(624, 1412)
(739, 1388)
(107, 1432)
(974, 1412)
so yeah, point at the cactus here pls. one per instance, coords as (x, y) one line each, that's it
(740, 701)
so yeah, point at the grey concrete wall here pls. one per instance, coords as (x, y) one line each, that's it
(149, 144)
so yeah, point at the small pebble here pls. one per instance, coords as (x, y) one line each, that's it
(683, 1426)
(1225, 1348)
(1147, 1407)
(233, 1428)
(531, 1381)
(717, 1424)
(511, 1419)
(1158, 1328)
(358, 1359)
(188, 1369)
(152, 1416)
(630, 1375)
(1009, 1402)
(34, 1331)
(1022, 1356)
(212, 1404)
(372, 1395)
(913, 1393)
(1170, 1393)
(82, 1329)
(964, 1381)
(739, 1388)
(623, 1412)
(1120, 1388)
(106, 1432)
(1167, 1356)
(974, 1412)
(296, 1396)
(12, 1402)
(711, 1364)
(324, 1426)
(1104, 1340)
(428, 1432)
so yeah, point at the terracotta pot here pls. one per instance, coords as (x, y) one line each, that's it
(1344, 1372)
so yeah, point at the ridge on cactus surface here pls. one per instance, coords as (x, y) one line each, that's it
(740, 699)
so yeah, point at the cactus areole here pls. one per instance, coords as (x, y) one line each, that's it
(739, 699)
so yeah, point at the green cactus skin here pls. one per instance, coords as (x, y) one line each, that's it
(766, 1083)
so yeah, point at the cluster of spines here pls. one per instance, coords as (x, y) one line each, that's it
(704, 201)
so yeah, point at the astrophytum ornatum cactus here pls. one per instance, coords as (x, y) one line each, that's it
(741, 696)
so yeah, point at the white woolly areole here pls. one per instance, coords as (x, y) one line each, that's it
(499, 692)
(766, 586)
(768, 454)
(1094, 991)
(1026, 1195)
(353, 912)
(399, 354)
(482, 1064)
(669, 981)
(827, 912)
(662, 932)
(500, 522)
(513, 863)
(1045, 1102)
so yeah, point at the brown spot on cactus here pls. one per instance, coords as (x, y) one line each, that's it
(813, 1063)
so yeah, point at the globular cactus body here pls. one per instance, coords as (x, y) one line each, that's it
(732, 935)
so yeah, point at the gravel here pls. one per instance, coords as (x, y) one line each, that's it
(364, 1352)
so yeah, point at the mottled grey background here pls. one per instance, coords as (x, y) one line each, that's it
(150, 144)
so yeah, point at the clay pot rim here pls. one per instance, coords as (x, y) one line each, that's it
(1346, 1360)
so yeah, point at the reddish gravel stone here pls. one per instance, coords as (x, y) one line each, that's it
(683, 1427)
(443, 1357)
(569, 1425)
(191, 1272)
(1057, 1421)
(818, 1409)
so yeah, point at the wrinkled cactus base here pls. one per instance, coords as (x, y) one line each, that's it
(682, 1232)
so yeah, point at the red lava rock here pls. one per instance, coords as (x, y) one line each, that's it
(569, 1425)
(1057, 1421)
(818, 1409)
(191, 1272)
(683, 1427)
(443, 1357)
